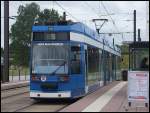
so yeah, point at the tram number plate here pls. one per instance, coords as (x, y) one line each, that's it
(49, 86)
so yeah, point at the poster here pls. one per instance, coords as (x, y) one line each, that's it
(138, 86)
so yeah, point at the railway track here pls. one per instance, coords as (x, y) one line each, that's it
(18, 100)
(45, 106)
(14, 92)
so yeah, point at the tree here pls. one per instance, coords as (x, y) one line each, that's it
(48, 15)
(21, 31)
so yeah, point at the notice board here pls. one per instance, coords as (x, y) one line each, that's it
(138, 86)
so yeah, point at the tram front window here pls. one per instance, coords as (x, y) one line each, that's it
(50, 58)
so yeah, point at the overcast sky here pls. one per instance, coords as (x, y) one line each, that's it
(85, 11)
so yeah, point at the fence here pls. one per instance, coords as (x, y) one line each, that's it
(18, 74)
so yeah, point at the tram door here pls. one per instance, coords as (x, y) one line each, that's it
(110, 68)
(113, 67)
(104, 66)
(86, 67)
(106, 69)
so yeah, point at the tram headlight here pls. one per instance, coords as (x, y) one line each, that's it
(35, 78)
(64, 78)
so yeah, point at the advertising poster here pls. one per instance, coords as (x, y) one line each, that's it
(138, 86)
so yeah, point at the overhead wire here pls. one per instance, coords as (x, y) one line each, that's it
(66, 11)
(93, 10)
(111, 18)
(123, 20)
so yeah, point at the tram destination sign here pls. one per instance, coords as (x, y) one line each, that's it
(46, 44)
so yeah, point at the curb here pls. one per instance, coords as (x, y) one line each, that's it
(7, 86)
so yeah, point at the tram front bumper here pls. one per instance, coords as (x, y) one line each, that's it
(66, 94)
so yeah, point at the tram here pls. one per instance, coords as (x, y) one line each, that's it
(70, 60)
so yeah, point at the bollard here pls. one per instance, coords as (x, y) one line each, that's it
(12, 74)
(124, 75)
(19, 74)
(2, 67)
(25, 74)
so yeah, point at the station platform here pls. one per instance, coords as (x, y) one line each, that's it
(110, 98)
(10, 85)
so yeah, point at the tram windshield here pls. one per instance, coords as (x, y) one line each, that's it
(50, 58)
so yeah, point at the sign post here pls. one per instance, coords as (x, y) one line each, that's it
(138, 87)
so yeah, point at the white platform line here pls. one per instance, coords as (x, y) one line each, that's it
(104, 99)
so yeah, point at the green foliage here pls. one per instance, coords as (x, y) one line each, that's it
(21, 31)
(48, 15)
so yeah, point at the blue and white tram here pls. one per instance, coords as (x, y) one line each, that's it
(69, 61)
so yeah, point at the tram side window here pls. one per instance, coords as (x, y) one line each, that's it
(38, 35)
(75, 60)
(93, 65)
(52, 36)
(62, 36)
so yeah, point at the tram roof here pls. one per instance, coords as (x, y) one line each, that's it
(77, 27)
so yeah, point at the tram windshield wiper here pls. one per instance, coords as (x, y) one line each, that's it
(54, 72)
